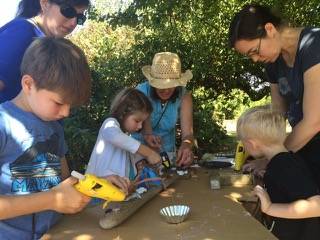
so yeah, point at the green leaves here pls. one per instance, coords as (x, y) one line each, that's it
(124, 35)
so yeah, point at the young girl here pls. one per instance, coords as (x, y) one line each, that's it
(114, 149)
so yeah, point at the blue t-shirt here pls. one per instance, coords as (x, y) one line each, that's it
(15, 38)
(164, 126)
(30, 154)
(290, 80)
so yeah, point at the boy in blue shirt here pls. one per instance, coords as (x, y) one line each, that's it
(55, 77)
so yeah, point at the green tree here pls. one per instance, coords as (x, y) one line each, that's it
(124, 38)
(107, 53)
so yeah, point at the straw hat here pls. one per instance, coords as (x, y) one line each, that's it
(165, 71)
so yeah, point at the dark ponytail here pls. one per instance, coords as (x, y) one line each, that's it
(249, 23)
(28, 8)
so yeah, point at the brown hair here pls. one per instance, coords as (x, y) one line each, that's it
(56, 64)
(127, 102)
(262, 123)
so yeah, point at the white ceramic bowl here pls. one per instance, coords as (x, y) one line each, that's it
(175, 213)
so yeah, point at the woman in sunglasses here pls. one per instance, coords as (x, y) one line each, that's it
(35, 18)
(292, 62)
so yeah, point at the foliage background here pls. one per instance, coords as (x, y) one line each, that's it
(122, 36)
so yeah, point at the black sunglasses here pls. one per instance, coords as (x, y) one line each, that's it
(69, 12)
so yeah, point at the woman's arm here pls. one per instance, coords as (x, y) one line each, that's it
(14, 40)
(152, 140)
(186, 116)
(310, 123)
(278, 102)
(185, 154)
(146, 126)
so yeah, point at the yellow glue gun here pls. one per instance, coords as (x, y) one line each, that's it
(240, 156)
(93, 186)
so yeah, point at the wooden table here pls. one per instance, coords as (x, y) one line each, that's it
(215, 214)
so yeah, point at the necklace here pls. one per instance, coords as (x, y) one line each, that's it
(163, 104)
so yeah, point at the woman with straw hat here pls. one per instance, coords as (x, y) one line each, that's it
(170, 100)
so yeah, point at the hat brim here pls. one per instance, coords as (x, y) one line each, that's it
(163, 83)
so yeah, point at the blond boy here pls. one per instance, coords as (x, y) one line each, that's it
(287, 178)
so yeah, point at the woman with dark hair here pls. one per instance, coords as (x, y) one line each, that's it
(35, 18)
(292, 62)
(170, 101)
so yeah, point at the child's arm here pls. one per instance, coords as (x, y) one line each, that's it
(114, 135)
(122, 182)
(151, 139)
(152, 156)
(63, 198)
(65, 173)
(304, 208)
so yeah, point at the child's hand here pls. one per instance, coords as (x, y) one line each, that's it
(121, 182)
(67, 199)
(151, 156)
(154, 158)
(264, 198)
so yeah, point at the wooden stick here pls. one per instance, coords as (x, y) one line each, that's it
(113, 218)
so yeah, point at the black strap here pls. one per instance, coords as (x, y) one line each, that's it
(163, 111)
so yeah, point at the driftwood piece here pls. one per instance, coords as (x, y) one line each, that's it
(116, 213)
(229, 177)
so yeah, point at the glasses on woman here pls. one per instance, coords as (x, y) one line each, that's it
(255, 51)
(69, 12)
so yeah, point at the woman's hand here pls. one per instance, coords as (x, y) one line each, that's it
(257, 167)
(264, 198)
(122, 182)
(185, 155)
(153, 141)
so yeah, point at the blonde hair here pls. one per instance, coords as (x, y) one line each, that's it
(262, 123)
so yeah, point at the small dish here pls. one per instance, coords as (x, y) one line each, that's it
(175, 213)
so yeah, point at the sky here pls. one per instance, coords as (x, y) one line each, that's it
(8, 10)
